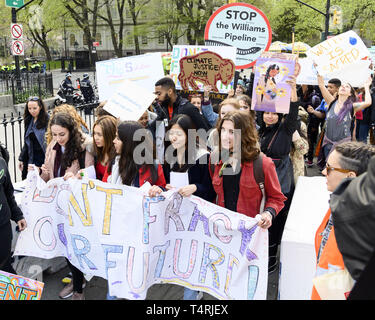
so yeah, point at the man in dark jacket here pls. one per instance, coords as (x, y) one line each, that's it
(86, 89)
(169, 104)
(9, 210)
(352, 205)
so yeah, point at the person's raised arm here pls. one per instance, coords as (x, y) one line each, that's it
(358, 106)
(325, 93)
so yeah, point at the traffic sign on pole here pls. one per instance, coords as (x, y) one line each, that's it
(18, 48)
(16, 31)
(14, 3)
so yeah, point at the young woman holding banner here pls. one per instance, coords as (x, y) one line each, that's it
(187, 158)
(66, 155)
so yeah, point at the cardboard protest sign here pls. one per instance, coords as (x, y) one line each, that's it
(206, 67)
(129, 102)
(15, 287)
(271, 93)
(243, 27)
(181, 52)
(336, 53)
(356, 73)
(143, 69)
(119, 233)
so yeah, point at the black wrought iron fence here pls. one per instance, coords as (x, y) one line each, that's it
(12, 133)
(29, 84)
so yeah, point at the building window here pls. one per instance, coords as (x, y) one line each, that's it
(72, 39)
(144, 40)
(85, 42)
(99, 38)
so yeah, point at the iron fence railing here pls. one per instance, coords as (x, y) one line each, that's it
(12, 133)
(29, 84)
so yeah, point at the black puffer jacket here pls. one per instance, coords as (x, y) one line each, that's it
(8, 205)
(352, 205)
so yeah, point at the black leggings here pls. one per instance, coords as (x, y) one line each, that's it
(6, 247)
(77, 277)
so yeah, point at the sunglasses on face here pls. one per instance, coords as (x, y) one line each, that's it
(330, 168)
(33, 99)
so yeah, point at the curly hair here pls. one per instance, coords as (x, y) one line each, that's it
(73, 147)
(74, 114)
(249, 136)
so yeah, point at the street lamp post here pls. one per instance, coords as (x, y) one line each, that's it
(325, 14)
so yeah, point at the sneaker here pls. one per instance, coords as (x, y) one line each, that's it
(78, 296)
(67, 279)
(67, 291)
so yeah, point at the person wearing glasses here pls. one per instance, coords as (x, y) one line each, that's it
(347, 160)
(36, 122)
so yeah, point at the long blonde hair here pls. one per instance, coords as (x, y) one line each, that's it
(70, 110)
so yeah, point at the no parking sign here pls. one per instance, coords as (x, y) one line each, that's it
(242, 26)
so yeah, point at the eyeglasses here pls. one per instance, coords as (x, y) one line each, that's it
(329, 169)
(33, 99)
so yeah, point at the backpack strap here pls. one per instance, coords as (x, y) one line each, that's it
(259, 178)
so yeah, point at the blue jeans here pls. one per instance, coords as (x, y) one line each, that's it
(190, 294)
(362, 132)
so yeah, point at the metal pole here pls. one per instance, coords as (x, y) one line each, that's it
(16, 57)
(328, 5)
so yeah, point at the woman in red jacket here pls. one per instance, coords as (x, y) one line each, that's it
(233, 177)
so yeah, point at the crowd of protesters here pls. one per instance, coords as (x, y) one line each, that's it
(333, 125)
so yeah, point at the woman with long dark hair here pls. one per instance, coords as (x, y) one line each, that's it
(135, 166)
(65, 156)
(35, 119)
(187, 157)
(104, 130)
(339, 115)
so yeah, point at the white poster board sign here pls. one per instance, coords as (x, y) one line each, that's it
(119, 233)
(181, 51)
(129, 102)
(297, 250)
(336, 53)
(143, 69)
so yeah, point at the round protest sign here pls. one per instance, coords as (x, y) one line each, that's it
(243, 26)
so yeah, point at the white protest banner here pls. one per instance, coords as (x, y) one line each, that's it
(143, 69)
(181, 51)
(356, 73)
(118, 233)
(130, 101)
(308, 73)
(336, 53)
(243, 27)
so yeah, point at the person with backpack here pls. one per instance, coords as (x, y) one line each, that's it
(244, 179)
(66, 154)
(9, 210)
